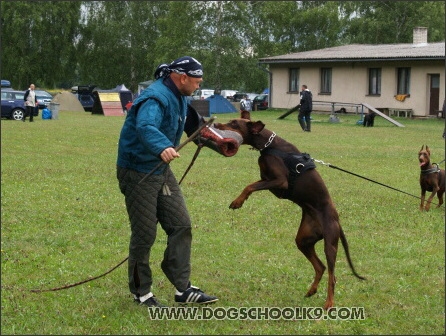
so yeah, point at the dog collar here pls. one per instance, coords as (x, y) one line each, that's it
(431, 170)
(270, 140)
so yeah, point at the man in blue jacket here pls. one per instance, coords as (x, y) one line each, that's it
(152, 129)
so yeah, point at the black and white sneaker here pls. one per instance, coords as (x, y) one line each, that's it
(152, 302)
(194, 295)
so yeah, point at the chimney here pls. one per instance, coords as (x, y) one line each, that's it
(420, 35)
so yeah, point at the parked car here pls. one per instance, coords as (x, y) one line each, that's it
(13, 105)
(238, 96)
(252, 95)
(85, 95)
(260, 102)
(201, 94)
(43, 98)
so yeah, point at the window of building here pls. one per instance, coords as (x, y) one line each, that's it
(326, 80)
(403, 86)
(294, 80)
(374, 81)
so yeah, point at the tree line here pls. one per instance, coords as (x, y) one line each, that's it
(58, 44)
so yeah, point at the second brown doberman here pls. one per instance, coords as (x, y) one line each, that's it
(320, 219)
(432, 179)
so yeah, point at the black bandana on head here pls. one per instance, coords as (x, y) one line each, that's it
(183, 65)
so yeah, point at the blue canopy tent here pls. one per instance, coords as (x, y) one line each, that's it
(219, 104)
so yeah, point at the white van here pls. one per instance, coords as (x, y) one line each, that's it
(201, 94)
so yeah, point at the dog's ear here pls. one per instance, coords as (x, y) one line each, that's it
(256, 127)
(421, 148)
(428, 150)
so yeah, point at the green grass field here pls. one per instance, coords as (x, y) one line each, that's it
(64, 220)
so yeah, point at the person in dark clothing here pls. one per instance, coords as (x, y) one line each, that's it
(30, 103)
(152, 129)
(369, 119)
(306, 106)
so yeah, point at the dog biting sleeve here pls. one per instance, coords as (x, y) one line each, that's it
(225, 143)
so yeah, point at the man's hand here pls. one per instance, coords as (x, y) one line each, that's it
(169, 154)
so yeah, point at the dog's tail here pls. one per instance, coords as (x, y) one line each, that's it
(347, 253)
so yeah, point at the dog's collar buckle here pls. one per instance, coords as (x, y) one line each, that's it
(270, 140)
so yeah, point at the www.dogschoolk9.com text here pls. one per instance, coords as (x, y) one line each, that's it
(256, 313)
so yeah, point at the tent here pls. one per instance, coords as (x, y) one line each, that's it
(67, 102)
(219, 104)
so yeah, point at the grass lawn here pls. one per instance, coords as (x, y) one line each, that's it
(64, 221)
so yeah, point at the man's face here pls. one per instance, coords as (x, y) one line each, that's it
(32, 86)
(189, 85)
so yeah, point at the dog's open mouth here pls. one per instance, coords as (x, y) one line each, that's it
(224, 142)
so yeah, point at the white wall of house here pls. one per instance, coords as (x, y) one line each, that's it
(350, 85)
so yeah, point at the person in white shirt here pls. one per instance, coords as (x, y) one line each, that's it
(30, 103)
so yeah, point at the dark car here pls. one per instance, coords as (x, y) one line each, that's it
(13, 105)
(260, 102)
(238, 96)
(43, 98)
(85, 95)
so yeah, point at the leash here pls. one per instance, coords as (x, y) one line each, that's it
(199, 147)
(189, 139)
(184, 143)
(365, 178)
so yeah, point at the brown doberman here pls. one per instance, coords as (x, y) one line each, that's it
(304, 186)
(431, 179)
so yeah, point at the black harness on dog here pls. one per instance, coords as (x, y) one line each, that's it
(296, 163)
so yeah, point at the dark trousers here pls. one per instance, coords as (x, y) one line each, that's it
(369, 120)
(304, 120)
(29, 112)
(147, 203)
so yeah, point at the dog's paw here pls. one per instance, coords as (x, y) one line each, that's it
(235, 205)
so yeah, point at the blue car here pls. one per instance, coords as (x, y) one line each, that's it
(13, 105)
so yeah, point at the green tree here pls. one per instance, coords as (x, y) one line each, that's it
(37, 42)
(116, 44)
(59, 43)
(381, 22)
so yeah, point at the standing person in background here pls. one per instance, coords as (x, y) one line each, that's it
(245, 107)
(444, 114)
(152, 129)
(306, 106)
(30, 103)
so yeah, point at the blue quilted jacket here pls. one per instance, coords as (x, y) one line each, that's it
(154, 122)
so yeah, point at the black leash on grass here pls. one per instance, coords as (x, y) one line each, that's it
(189, 139)
(365, 178)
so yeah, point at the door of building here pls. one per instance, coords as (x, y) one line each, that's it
(434, 91)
